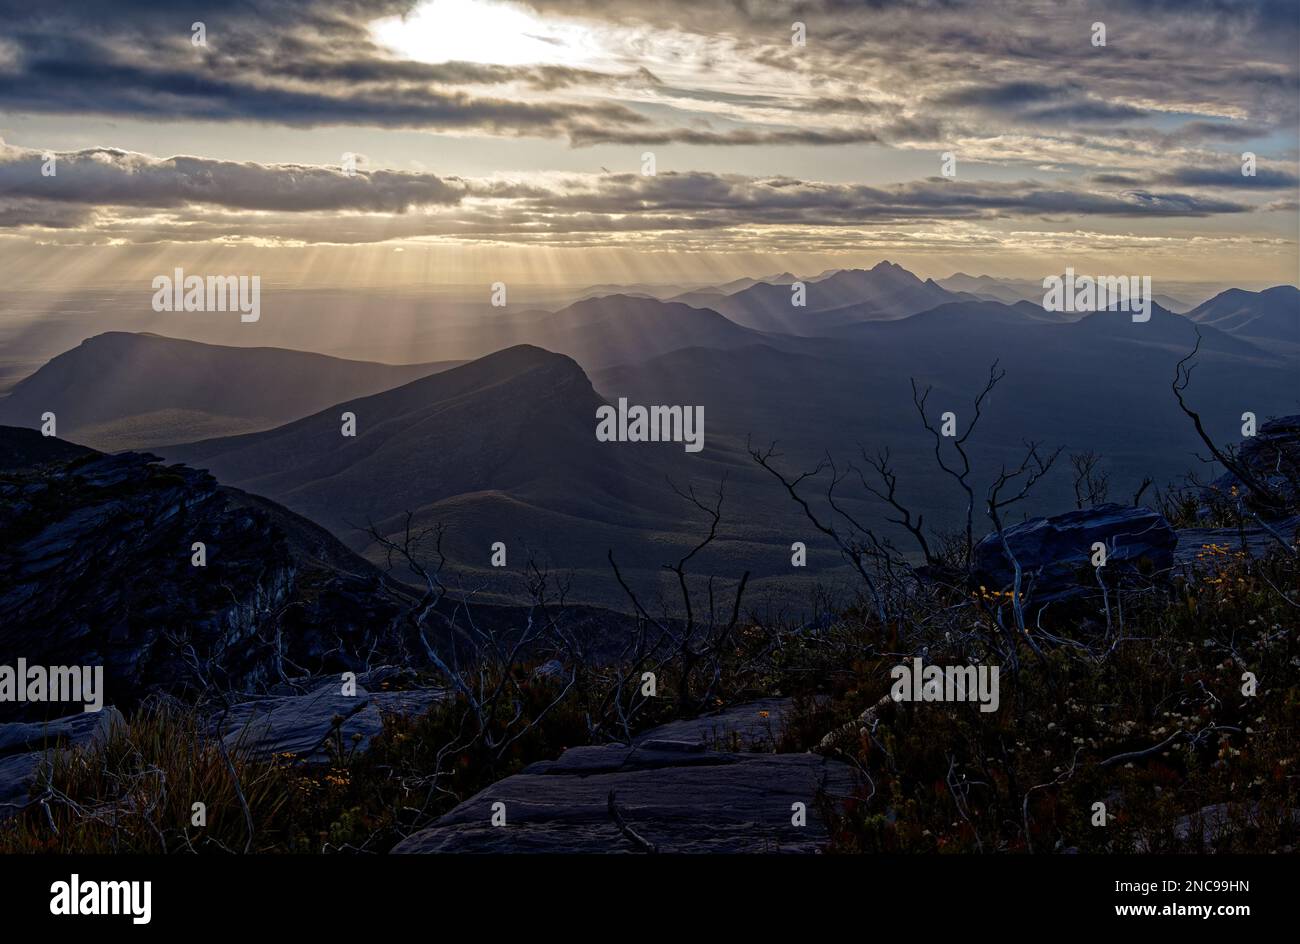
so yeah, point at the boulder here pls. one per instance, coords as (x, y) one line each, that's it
(1055, 554)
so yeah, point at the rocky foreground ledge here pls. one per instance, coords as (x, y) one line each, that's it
(28, 749)
(707, 785)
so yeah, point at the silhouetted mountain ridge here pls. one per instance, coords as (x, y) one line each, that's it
(519, 422)
(886, 291)
(121, 390)
(1273, 314)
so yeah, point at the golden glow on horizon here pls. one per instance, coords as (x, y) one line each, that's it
(444, 266)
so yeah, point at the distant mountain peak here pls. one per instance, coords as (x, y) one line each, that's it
(518, 356)
(1272, 314)
(881, 270)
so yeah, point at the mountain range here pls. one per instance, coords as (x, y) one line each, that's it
(884, 292)
(501, 448)
(1016, 290)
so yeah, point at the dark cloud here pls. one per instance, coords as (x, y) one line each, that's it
(593, 135)
(1035, 103)
(1003, 95)
(60, 86)
(1217, 131)
(1115, 180)
(851, 105)
(104, 176)
(16, 213)
(1257, 15)
(193, 198)
(737, 200)
(541, 78)
(1084, 111)
(1229, 177)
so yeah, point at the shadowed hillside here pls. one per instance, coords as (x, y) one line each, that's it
(124, 391)
(1270, 315)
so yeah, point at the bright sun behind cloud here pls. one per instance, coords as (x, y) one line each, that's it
(484, 31)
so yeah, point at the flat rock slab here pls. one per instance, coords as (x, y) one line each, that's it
(669, 788)
(302, 726)
(741, 803)
(26, 747)
(1194, 542)
(611, 758)
(753, 726)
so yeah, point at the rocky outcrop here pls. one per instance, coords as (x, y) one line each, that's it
(318, 723)
(1055, 554)
(1272, 458)
(668, 791)
(27, 749)
(96, 569)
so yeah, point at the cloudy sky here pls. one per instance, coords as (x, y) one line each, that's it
(508, 141)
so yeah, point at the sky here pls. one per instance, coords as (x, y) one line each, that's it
(512, 141)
